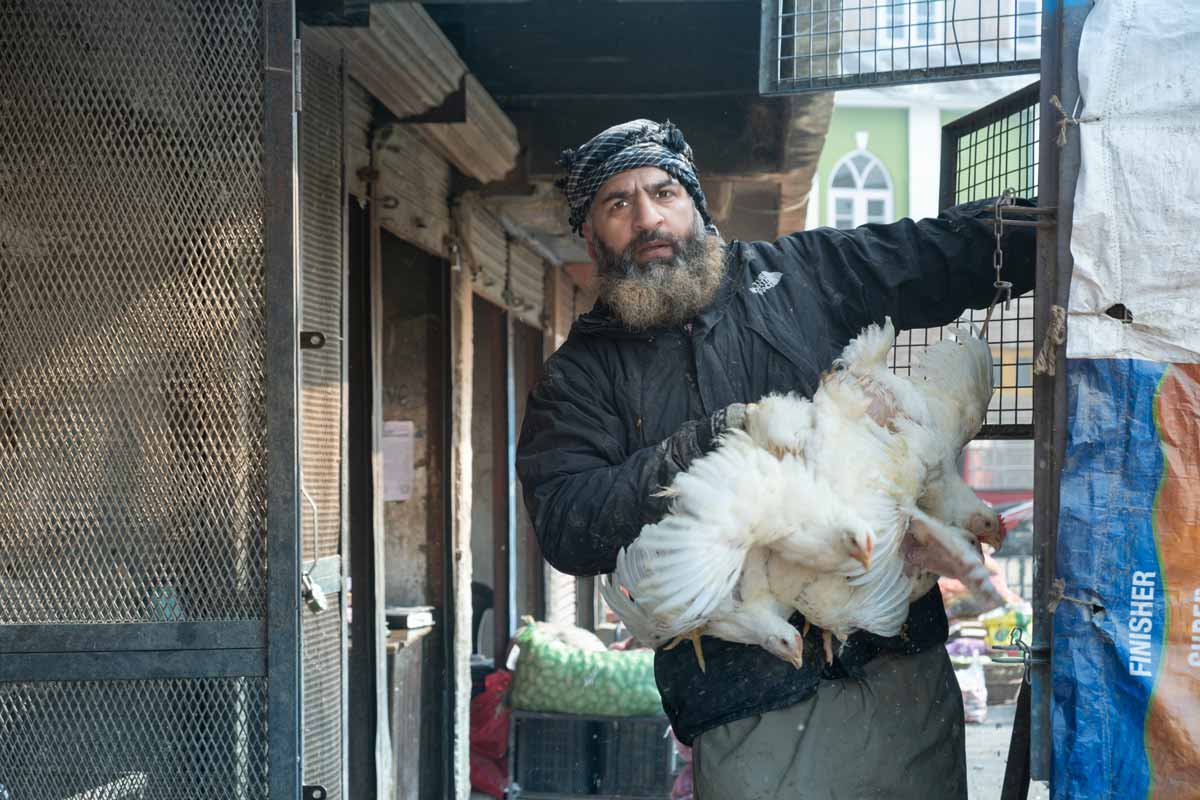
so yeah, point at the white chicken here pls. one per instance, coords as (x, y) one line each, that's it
(814, 506)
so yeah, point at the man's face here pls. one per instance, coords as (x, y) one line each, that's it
(657, 264)
(643, 207)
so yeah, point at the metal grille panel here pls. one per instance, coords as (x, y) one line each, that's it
(985, 153)
(322, 198)
(143, 739)
(816, 45)
(132, 330)
(321, 310)
(322, 733)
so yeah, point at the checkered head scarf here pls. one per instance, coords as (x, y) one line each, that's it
(640, 143)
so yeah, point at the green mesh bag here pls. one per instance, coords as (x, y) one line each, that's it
(555, 677)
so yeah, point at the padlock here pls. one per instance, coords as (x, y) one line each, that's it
(316, 599)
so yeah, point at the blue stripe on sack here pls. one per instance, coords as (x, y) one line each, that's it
(1106, 552)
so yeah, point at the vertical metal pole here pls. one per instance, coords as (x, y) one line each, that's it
(448, 618)
(344, 438)
(510, 472)
(767, 46)
(1062, 25)
(282, 360)
(948, 168)
(364, 709)
(377, 633)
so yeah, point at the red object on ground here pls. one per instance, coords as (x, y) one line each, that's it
(488, 776)
(489, 735)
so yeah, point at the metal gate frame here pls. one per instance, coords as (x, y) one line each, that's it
(1057, 174)
(990, 129)
(264, 648)
(1062, 27)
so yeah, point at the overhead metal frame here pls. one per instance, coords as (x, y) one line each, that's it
(823, 45)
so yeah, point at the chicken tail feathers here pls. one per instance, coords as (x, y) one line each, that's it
(869, 350)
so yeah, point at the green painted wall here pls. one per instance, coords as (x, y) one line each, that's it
(949, 115)
(888, 140)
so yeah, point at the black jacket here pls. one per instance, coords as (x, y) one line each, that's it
(618, 413)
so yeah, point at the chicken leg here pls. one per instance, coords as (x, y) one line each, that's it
(953, 552)
(694, 636)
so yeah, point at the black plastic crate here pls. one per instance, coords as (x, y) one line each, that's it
(554, 753)
(637, 758)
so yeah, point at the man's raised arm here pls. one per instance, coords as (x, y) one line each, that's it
(921, 274)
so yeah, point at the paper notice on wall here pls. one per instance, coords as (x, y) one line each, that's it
(398, 460)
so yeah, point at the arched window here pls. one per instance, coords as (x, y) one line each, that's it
(860, 191)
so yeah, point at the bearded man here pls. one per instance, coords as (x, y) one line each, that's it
(687, 330)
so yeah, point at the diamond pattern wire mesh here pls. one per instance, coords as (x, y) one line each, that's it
(132, 420)
(143, 739)
(994, 149)
(812, 45)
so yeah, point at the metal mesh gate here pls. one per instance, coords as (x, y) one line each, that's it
(817, 45)
(983, 154)
(139, 400)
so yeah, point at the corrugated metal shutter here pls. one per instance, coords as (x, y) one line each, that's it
(403, 58)
(484, 248)
(486, 145)
(565, 317)
(526, 284)
(504, 270)
(321, 429)
(414, 189)
(414, 180)
(358, 138)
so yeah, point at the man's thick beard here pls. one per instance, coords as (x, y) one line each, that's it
(665, 291)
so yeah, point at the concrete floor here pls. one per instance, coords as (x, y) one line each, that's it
(987, 754)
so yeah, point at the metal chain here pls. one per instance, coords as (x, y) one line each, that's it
(1003, 288)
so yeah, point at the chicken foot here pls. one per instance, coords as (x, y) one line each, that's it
(694, 636)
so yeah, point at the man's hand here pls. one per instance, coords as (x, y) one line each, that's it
(731, 417)
(699, 437)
